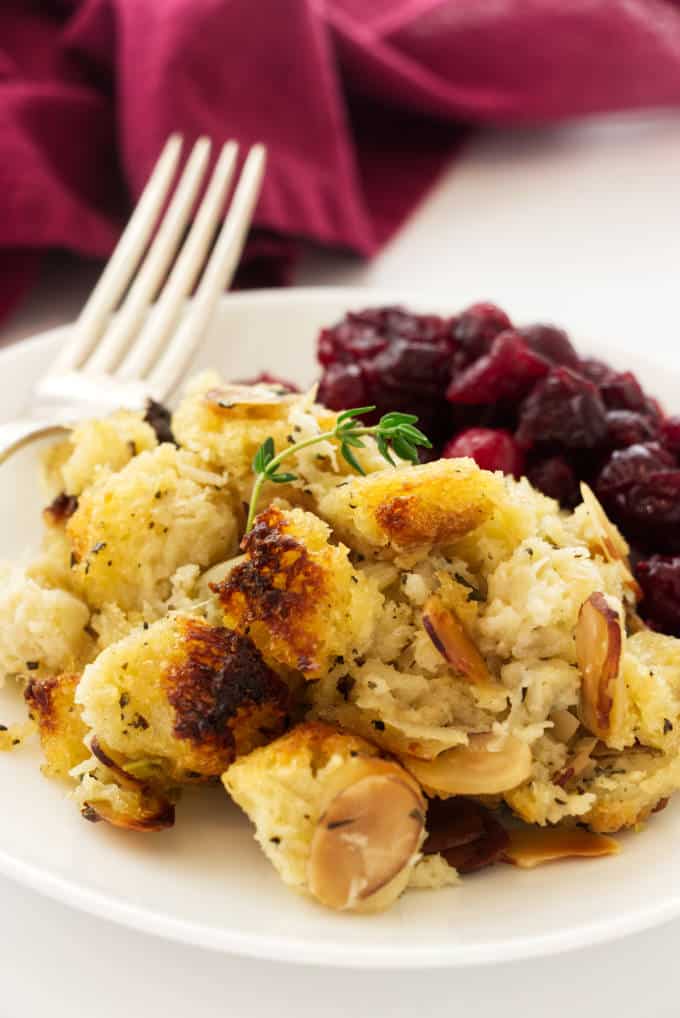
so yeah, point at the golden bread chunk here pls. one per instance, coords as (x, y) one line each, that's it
(335, 819)
(411, 509)
(51, 703)
(297, 595)
(133, 530)
(96, 446)
(182, 698)
(42, 632)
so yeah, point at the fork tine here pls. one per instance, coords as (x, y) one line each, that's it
(218, 274)
(185, 271)
(122, 263)
(110, 350)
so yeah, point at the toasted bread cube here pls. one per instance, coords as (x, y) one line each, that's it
(182, 696)
(336, 820)
(133, 530)
(412, 509)
(52, 705)
(41, 631)
(103, 445)
(617, 790)
(636, 784)
(651, 670)
(297, 595)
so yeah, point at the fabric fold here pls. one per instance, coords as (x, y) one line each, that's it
(361, 103)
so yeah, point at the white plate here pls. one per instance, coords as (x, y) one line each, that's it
(205, 882)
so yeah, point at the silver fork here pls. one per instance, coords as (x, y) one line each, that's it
(122, 360)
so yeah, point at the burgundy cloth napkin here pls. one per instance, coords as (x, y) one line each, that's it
(360, 103)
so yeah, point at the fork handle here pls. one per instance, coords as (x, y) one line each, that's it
(16, 434)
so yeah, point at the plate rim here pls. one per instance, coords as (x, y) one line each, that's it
(297, 950)
(333, 954)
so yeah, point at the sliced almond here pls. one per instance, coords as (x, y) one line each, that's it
(634, 624)
(608, 538)
(254, 401)
(122, 777)
(565, 725)
(151, 812)
(532, 846)
(367, 835)
(449, 637)
(155, 815)
(476, 769)
(599, 649)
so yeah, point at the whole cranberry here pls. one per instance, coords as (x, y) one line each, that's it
(626, 427)
(342, 387)
(505, 373)
(565, 408)
(659, 577)
(670, 434)
(622, 391)
(634, 465)
(359, 335)
(465, 833)
(551, 343)
(490, 448)
(594, 370)
(654, 410)
(474, 331)
(555, 478)
(640, 489)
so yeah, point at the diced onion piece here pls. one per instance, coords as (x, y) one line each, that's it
(576, 765)
(449, 637)
(565, 725)
(476, 769)
(532, 846)
(599, 649)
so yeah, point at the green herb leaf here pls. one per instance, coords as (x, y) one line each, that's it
(263, 456)
(281, 478)
(404, 449)
(395, 419)
(347, 415)
(353, 440)
(415, 435)
(347, 454)
(384, 449)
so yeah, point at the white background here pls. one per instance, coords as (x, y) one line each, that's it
(584, 218)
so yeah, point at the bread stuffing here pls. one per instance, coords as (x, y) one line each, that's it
(399, 670)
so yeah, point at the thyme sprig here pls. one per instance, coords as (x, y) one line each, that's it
(395, 433)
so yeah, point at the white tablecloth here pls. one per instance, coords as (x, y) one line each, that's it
(584, 218)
